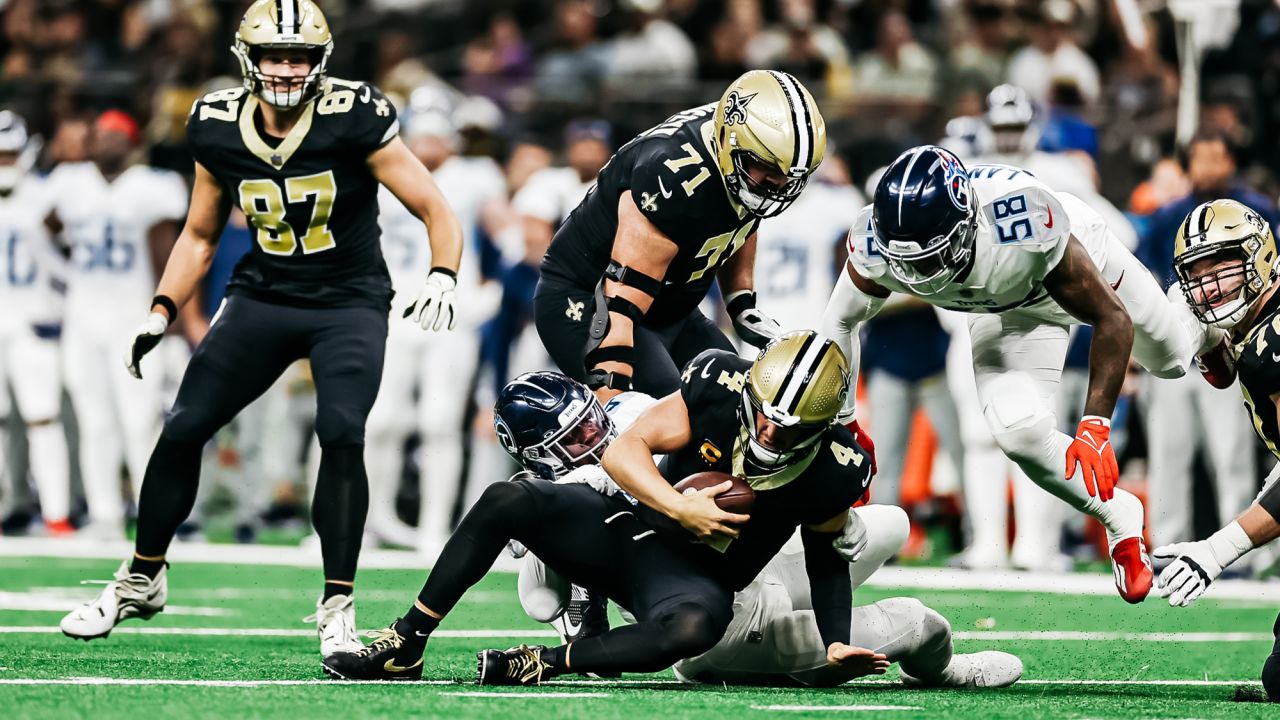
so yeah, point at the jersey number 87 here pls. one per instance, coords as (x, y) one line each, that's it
(264, 204)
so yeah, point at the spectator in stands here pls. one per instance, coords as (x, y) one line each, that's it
(1054, 55)
(572, 73)
(798, 44)
(901, 73)
(651, 48)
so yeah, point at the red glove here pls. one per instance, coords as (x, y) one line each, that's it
(864, 441)
(1092, 449)
(1218, 366)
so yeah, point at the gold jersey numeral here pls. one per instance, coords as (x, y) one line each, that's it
(264, 205)
(845, 455)
(714, 248)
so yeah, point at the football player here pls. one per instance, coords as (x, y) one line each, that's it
(773, 638)
(302, 154)
(771, 421)
(674, 210)
(119, 221)
(1226, 261)
(30, 325)
(442, 366)
(1027, 263)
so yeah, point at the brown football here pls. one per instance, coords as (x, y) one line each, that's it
(737, 499)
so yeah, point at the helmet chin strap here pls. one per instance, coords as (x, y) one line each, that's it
(1233, 316)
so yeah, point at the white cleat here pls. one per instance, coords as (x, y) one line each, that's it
(128, 596)
(986, 669)
(335, 621)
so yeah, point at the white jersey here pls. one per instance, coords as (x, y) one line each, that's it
(1023, 229)
(468, 184)
(795, 253)
(551, 194)
(28, 263)
(106, 225)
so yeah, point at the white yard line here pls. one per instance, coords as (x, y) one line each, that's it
(24, 551)
(1000, 635)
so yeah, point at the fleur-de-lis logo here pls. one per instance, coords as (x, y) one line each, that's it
(735, 107)
(649, 202)
(574, 312)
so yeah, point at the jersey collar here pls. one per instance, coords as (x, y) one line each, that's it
(275, 157)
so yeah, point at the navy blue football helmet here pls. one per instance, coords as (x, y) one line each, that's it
(925, 218)
(551, 424)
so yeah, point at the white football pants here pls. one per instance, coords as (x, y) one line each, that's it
(893, 402)
(1017, 363)
(442, 367)
(29, 368)
(1186, 415)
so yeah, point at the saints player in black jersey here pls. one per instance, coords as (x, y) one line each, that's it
(1225, 257)
(771, 421)
(302, 154)
(674, 210)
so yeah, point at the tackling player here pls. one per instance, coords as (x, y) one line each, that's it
(674, 210)
(302, 154)
(1225, 258)
(1027, 263)
(806, 471)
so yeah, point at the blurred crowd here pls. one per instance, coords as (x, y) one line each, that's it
(515, 105)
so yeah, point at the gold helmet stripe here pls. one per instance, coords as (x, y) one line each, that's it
(802, 156)
(797, 378)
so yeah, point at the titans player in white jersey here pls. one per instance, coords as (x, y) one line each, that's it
(1027, 263)
(796, 251)
(441, 365)
(29, 324)
(118, 221)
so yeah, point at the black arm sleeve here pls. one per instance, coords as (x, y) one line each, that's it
(829, 586)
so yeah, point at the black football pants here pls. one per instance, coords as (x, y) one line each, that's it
(596, 542)
(562, 313)
(248, 347)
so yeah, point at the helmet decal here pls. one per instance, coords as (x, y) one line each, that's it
(957, 181)
(735, 107)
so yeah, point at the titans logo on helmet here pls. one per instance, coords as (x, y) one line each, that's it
(957, 181)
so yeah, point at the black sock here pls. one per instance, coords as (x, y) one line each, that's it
(333, 588)
(168, 494)
(339, 508)
(420, 623)
(150, 568)
(555, 657)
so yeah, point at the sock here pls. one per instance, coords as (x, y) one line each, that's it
(339, 507)
(419, 622)
(556, 657)
(168, 494)
(333, 588)
(150, 568)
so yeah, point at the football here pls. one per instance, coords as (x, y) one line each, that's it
(737, 499)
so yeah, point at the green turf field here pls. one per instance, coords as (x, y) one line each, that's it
(195, 660)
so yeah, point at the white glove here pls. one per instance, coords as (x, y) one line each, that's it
(853, 541)
(592, 476)
(1195, 565)
(752, 325)
(434, 308)
(145, 339)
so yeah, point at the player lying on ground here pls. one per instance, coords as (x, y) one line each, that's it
(1028, 263)
(1225, 259)
(303, 155)
(773, 638)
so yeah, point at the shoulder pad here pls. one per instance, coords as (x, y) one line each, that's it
(860, 243)
(1031, 217)
(712, 373)
(1256, 364)
(669, 182)
(363, 115)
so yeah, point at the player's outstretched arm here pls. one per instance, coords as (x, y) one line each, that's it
(737, 283)
(662, 429)
(854, 301)
(1193, 566)
(408, 179)
(1078, 288)
(192, 254)
(640, 247)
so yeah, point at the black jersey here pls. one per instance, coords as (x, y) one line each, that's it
(1258, 366)
(310, 198)
(811, 491)
(672, 175)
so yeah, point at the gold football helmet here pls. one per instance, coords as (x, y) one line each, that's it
(794, 391)
(1241, 242)
(769, 138)
(283, 25)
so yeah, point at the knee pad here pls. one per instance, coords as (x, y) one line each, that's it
(691, 629)
(543, 593)
(887, 527)
(339, 426)
(187, 425)
(1019, 420)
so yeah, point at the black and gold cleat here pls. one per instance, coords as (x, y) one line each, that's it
(521, 665)
(394, 654)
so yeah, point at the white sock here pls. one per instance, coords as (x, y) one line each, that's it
(47, 449)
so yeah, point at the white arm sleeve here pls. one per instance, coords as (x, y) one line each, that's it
(847, 309)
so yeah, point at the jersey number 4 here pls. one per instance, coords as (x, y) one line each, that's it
(264, 205)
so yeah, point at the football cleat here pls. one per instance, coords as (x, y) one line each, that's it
(586, 615)
(986, 669)
(129, 595)
(388, 657)
(1129, 559)
(335, 621)
(521, 665)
